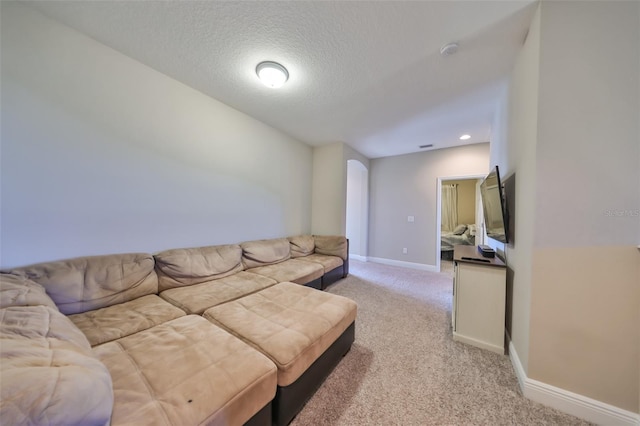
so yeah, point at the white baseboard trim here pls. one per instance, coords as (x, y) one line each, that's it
(517, 365)
(411, 265)
(478, 343)
(572, 403)
(358, 257)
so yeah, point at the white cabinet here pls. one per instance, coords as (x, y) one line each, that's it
(479, 295)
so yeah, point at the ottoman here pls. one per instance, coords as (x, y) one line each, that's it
(188, 372)
(305, 332)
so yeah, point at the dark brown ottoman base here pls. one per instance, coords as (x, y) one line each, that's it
(317, 284)
(290, 399)
(261, 418)
(332, 276)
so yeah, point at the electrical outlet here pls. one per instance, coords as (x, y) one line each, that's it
(404, 250)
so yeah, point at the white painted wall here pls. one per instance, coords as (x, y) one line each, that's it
(513, 149)
(101, 154)
(407, 185)
(588, 144)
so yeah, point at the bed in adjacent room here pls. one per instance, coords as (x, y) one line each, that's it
(462, 235)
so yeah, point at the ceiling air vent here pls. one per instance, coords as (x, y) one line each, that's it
(426, 146)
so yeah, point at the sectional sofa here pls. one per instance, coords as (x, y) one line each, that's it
(224, 335)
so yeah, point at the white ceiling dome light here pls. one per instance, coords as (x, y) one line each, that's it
(449, 49)
(465, 137)
(272, 74)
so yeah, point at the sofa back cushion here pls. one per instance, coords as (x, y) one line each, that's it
(87, 283)
(183, 267)
(332, 245)
(302, 245)
(49, 374)
(20, 291)
(265, 252)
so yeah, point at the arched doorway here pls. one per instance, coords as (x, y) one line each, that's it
(357, 223)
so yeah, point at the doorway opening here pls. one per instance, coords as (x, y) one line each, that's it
(357, 221)
(460, 220)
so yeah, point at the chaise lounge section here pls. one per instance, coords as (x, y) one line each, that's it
(186, 372)
(133, 324)
(293, 326)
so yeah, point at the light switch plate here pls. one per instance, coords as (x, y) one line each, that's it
(410, 219)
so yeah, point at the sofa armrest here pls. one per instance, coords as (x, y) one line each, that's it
(49, 372)
(16, 290)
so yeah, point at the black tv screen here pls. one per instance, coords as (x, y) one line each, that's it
(494, 207)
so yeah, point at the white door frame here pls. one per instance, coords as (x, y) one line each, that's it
(439, 209)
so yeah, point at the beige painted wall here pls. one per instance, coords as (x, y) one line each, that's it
(466, 200)
(328, 204)
(406, 185)
(329, 187)
(584, 322)
(102, 154)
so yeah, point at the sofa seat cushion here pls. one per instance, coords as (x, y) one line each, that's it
(87, 283)
(195, 299)
(293, 325)
(16, 290)
(186, 372)
(329, 263)
(292, 270)
(189, 266)
(114, 322)
(48, 373)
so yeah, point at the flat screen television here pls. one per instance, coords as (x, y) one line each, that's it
(494, 207)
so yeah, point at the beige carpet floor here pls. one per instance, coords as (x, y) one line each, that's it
(405, 369)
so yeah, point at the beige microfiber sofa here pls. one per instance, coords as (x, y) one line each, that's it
(226, 335)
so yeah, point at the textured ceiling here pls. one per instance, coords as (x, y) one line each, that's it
(365, 73)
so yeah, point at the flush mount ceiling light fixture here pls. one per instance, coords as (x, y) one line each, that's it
(272, 74)
(449, 49)
(465, 137)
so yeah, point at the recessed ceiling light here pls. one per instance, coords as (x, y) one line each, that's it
(465, 137)
(272, 74)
